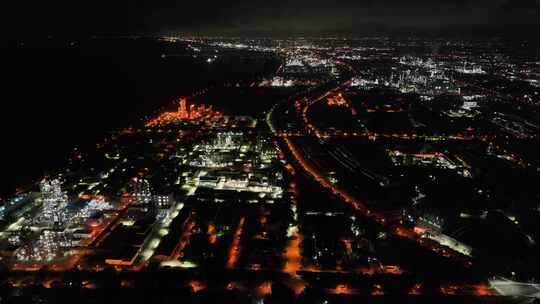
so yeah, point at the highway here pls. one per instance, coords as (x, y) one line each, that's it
(508, 287)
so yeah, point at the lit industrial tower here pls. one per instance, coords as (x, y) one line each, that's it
(182, 110)
(143, 196)
(141, 191)
(192, 111)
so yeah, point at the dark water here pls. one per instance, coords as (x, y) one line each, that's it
(59, 94)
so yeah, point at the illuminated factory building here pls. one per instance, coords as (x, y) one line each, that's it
(54, 203)
(184, 114)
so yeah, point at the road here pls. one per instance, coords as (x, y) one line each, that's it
(311, 170)
(508, 287)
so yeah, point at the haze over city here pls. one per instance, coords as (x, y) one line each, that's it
(271, 17)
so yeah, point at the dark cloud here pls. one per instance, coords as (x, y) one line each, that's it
(522, 5)
(521, 8)
(520, 13)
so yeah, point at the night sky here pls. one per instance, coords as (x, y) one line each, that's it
(237, 16)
